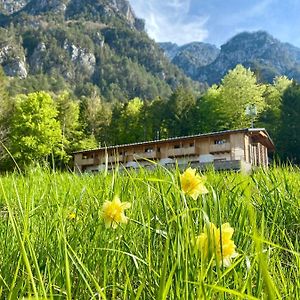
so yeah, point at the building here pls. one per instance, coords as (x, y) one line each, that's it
(240, 149)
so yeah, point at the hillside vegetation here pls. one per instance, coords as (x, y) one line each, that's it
(54, 243)
(41, 126)
(76, 45)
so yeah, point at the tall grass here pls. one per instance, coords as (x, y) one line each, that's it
(47, 255)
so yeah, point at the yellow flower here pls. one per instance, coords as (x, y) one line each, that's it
(71, 216)
(210, 241)
(113, 212)
(192, 184)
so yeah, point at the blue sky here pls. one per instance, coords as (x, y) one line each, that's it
(216, 21)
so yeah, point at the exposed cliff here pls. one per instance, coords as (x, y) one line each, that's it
(192, 56)
(8, 7)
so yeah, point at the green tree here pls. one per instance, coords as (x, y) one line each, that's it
(68, 116)
(95, 117)
(35, 132)
(178, 113)
(153, 119)
(238, 89)
(5, 107)
(126, 123)
(289, 134)
(205, 116)
(271, 116)
(73, 136)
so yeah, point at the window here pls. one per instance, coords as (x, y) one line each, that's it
(191, 144)
(149, 150)
(220, 142)
(158, 149)
(176, 146)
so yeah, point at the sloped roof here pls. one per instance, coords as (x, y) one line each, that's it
(201, 135)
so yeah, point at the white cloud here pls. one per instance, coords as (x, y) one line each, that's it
(171, 20)
(260, 8)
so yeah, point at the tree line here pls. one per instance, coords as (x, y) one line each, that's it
(43, 126)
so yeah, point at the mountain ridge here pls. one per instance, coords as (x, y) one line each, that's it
(259, 50)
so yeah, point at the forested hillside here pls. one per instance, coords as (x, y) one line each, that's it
(83, 46)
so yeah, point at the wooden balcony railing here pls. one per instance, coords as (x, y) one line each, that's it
(182, 152)
(85, 162)
(143, 155)
(220, 148)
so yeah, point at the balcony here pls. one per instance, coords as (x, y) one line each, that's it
(144, 155)
(115, 159)
(219, 148)
(182, 151)
(85, 162)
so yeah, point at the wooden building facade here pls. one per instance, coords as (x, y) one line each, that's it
(240, 149)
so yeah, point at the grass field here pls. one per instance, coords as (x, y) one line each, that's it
(54, 243)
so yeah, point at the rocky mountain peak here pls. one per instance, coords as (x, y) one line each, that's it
(96, 10)
(259, 50)
(250, 41)
(192, 56)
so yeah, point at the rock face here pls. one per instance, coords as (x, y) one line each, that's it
(82, 58)
(8, 7)
(170, 49)
(36, 7)
(260, 51)
(13, 61)
(102, 9)
(191, 57)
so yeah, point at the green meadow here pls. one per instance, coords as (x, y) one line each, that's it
(54, 243)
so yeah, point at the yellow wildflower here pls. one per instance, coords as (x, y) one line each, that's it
(192, 184)
(113, 212)
(71, 216)
(212, 239)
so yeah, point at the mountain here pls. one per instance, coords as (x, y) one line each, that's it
(260, 51)
(264, 54)
(191, 57)
(85, 46)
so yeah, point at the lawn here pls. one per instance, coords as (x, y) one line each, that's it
(55, 245)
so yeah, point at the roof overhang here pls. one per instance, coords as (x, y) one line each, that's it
(262, 136)
(259, 133)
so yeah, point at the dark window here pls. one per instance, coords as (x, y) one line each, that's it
(158, 149)
(220, 142)
(191, 144)
(176, 146)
